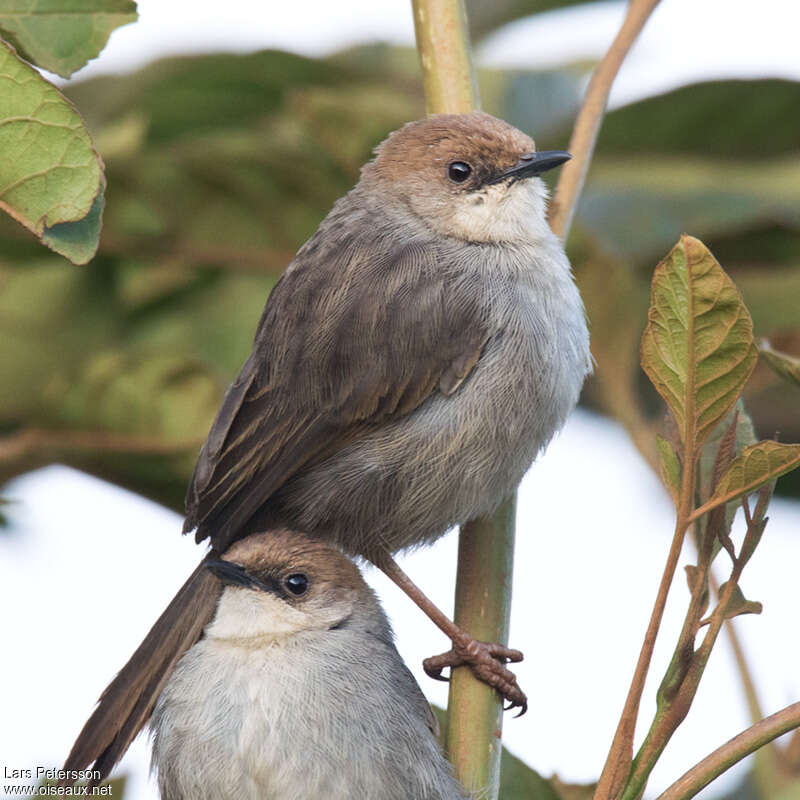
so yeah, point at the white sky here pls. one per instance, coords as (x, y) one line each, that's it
(74, 568)
(684, 41)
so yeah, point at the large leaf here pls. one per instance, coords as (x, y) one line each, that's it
(734, 119)
(698, 348)
(50, 174)
(691, 160)
(62, 35)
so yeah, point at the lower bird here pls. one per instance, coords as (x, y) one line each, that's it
(295, 689)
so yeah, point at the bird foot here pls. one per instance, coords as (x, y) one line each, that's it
(486, 662)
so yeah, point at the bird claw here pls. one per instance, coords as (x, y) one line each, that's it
(486, 660)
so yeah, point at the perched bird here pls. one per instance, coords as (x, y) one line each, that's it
(417, 354)
(296, 689)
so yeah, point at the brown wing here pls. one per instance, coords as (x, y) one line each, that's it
(351, 336)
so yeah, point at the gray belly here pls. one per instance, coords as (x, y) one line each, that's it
(306, 720)
(457, 456)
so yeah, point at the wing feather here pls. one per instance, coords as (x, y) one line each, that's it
(351, 336)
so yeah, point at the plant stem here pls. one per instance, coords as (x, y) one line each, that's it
(448, 74)
(590, 117)
(483, 606)
(676, 699)
(733, 751)
(618, 764)
(486, 546)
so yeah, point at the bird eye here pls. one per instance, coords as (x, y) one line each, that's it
(297, 584)
(459, 171)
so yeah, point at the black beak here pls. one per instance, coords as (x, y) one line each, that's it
(533, 164)
(231, 574)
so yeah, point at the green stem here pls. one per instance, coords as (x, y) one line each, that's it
(733, 751)
(486, 546)
(483, 606)
(448, 73)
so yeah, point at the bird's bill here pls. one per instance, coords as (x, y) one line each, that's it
(231, 574)
(534, 164)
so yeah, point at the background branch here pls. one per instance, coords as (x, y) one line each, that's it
(590, 117)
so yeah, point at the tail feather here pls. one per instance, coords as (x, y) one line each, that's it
(126, 704)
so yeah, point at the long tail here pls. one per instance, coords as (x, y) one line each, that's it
(126, 704)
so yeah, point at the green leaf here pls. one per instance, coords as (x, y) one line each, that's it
(670, 467)
(698, 348)
(49, 174)
(78, 240)
(705, 119)
(757, 465)
(783, 364)
(62, 35)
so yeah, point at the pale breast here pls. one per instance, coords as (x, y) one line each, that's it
(336, 718)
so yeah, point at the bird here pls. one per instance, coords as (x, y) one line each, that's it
(295, 689)
(417, 354)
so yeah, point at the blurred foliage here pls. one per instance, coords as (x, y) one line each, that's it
(219, 166)
(486, 17)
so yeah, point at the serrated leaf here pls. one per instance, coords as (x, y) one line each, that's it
(670, 467)
(62, 35)
(698, 348)
(737, 605)
(758, 464)
(50, 173)
(783, 364)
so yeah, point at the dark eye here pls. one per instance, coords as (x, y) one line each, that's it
(297, 584)
(459, 171)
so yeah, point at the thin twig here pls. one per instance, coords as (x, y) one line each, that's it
(724, 757)
(29, 441)
(590, 117)
(620, 756)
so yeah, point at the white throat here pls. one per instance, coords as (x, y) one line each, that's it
(514, 213)
(245, 614)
